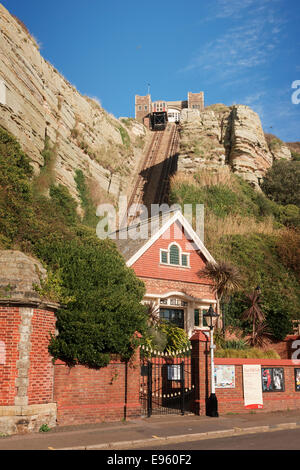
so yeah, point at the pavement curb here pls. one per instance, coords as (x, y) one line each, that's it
(123, 445)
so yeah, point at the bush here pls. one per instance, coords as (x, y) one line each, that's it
(104, 308)
(282, 182)
(247, 353)
(166, 337)
(101, 296)
(64, 202)
(288, 248)
(87, 204)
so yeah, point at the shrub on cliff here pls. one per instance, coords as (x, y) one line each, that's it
(282, 182)
(102, 295)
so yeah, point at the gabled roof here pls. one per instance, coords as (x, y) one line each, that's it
(133, 248)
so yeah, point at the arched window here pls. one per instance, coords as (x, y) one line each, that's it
(174, 254)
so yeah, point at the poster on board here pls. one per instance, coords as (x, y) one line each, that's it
(297, 379)
(252, 384)
(272, 379)
(224, 376)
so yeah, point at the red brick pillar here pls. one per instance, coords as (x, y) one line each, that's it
(200, 370)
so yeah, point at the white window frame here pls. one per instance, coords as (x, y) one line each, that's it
(168, 257)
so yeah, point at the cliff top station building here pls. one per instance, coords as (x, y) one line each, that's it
(144, 107)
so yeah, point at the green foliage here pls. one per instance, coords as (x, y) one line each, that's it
(221, 200)
(125, 137)
(90, 217)
(46, 177)
(282, 182)
(15, 188)
(100, 296)
(166, 337)
(258, 259)
(295, 156)
(288, 248)
(253, 353)
(104, 308)
(263, 258)
(177, 339)
(235, 344)
(289, 215)
(65, 203)
(44, 428)
(52, 288)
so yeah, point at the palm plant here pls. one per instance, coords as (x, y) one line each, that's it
(226, 279)
(153, 313)
(255, 315)
(260, 337)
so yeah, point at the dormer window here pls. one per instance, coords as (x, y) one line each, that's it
(174, 256)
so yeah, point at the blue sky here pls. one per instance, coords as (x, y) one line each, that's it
(236, 51)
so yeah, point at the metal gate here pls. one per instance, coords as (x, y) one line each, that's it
(166, 382)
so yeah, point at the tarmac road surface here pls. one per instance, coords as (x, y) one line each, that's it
(277, 440)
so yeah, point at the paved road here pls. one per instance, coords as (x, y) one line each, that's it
(277, 440)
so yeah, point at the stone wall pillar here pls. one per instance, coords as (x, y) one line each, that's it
(26, 369)
(201, 370)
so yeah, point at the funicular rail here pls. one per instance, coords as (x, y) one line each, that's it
(168, 168)
(150, 158)
(152, 183)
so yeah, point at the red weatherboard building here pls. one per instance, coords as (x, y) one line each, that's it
(168, 256)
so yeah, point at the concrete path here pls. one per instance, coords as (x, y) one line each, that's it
(152, 432)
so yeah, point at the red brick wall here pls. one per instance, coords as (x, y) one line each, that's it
(9, 335)
(285, 348)
(40, 388)
(86, 395)
(148, 266)
(232, 400)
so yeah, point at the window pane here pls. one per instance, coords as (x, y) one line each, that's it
(196, 317)
(164, 256)
(175, 316)
(184, 260)
(174, 255)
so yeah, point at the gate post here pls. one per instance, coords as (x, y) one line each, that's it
(149, 397)
(200, 370)
(182, 386)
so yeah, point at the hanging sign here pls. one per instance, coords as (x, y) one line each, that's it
(252, 382)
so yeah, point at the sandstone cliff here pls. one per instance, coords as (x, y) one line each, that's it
(36, 101)
(232, 136)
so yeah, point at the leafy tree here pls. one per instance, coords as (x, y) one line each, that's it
(104, 309)
(282, 182)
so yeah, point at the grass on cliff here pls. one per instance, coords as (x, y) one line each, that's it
(244, 227)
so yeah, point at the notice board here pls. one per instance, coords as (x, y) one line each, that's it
(252, 382)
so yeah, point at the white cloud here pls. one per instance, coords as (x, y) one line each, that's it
(251, 43)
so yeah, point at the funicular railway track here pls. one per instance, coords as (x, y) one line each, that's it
(138, 190)
(152, 184)
(168, 169)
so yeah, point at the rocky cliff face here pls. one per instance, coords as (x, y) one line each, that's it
(38, 102)
(232, 136)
